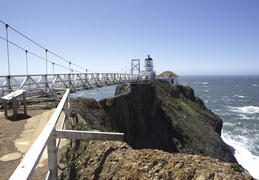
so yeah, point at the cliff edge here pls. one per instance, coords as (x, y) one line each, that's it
(169, 134)
(117, 160)
(158, 115)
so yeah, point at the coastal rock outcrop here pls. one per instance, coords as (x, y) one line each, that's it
(90, 113)
(159, 115)
(117, 160)
(169, 134)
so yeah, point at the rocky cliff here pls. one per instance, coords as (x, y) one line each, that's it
(158, 115)
(117, 160)
(169, 134)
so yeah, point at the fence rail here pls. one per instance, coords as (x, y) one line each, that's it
(42, 84)
(48, 138)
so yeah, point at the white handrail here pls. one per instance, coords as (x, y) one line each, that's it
(42, 84)
(48, 138)
(31, 159)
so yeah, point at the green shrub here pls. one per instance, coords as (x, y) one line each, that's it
(236, 167)
(74, 156)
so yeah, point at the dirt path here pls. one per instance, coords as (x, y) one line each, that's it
(16, 137)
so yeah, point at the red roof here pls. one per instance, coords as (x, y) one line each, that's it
(169, 72)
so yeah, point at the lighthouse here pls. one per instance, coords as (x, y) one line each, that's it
(148, 73)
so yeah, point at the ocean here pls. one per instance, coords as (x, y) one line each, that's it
(235, 99)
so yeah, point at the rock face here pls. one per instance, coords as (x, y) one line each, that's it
(89, 112)
(169, 134)
(158, 115)
(116, 160)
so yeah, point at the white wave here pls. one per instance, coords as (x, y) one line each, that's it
(254, 85)
(244, 156)
(245, 117)
(240, 97)
(245, 109)
(201, 82)
(228, 124)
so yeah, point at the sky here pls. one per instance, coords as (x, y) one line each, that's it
(188, 37)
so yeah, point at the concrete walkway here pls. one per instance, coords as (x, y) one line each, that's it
(30, 131)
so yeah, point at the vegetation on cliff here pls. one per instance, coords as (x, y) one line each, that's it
(158, 115)
(155, 117)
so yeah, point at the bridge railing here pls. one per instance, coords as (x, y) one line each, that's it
(42, 84)
(50, 137)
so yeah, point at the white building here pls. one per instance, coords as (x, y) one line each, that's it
(169, 76)
(148, 73)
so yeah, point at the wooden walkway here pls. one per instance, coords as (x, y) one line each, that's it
(50, 137)
(16, 138)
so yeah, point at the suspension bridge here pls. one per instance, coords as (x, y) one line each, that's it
(37, 85)
(46, 84)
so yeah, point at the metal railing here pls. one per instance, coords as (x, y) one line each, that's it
(49, 136)
(42, 84)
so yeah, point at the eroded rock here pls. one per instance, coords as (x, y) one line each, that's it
(116, 160)
(158, 115)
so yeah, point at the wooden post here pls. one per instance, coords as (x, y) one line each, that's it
(46, 83)
(24, 103)
(69, 105)
(31, 159)
(9, 87)
(86, 78)
(89, 135)
(55, 97)
(5, 107)
(52, 158)
(69, 81)
(66, 115)
(14, 108)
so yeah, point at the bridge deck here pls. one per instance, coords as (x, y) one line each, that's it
(47, 85)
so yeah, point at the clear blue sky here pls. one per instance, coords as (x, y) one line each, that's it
(188, 37)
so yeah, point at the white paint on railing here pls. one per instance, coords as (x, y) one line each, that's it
(31, 159)
(48, 138)
(41, 83)
(89, 135)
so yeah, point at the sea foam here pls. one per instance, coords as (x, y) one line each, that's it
(245, 109)
(245, 157)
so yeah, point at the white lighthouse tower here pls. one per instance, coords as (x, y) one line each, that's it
(148, 73)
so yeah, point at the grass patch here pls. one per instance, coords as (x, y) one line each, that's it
(74, 156)
(50, 106)
(236, 167)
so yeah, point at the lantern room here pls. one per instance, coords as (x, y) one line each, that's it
(148, 64)
(148, 73)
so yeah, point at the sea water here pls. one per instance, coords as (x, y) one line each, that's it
(97, 93)
(235, 99)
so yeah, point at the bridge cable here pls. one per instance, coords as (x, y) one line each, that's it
(42, 47)
(26, 51)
